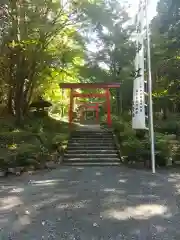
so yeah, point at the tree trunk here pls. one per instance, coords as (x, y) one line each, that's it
(165, 113)
(10, 102)
(19, 102)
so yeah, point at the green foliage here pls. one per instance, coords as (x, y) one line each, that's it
(135, 145)
(34, 144)
(40, 46)
(60, 138)
(114, 57)
(165, 57)
(169, 126)
(16, 137)
(8, 124)
(163, 149)
(44, 43)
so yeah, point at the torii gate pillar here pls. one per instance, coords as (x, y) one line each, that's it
(109, 120)
(71, 105)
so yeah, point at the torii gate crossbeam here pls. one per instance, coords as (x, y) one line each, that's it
(106, 95)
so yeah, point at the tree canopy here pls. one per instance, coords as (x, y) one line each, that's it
(45, 42)
(165, 48)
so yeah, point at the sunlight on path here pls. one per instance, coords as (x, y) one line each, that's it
(90, 203)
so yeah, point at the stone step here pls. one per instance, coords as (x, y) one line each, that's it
(92, 164)
(90, 148)
(107, 153)
(91, 137)
(91, 151)
(97, 131)
(91, 134)
(92, 159)
(90, 155)
(85, 144)
(91, 142)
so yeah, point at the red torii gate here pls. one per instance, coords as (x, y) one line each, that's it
(106, 94)
(94, 106)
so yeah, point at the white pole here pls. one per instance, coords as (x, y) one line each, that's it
(151, 126)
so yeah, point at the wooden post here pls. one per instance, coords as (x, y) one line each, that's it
(109, 121)
(71, 107)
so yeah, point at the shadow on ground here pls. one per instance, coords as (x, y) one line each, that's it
(91, 203)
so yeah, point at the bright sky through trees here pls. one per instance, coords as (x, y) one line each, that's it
(152, 7)
(134, 5)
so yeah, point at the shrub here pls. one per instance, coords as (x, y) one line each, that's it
(136, 147)
(119, 126)
(126, 116)
(168, 127)
(7, 124)
(3, 159)
(131, 148)
(60, 138)
(123, 130)
(141, 134)
(15, 137)
(24, 152)
(163, 148)
(103, 120)
(176, 152)
(27, 148)
(19, 155)
(33, 143)
(60, 141)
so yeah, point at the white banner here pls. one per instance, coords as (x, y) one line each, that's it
(138, 111)
(139, 117)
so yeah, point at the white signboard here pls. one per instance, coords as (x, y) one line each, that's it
(138, 110)
(139, 117)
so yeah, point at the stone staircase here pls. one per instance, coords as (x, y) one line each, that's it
(91, 147)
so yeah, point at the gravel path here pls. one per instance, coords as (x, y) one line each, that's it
(92, 203)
